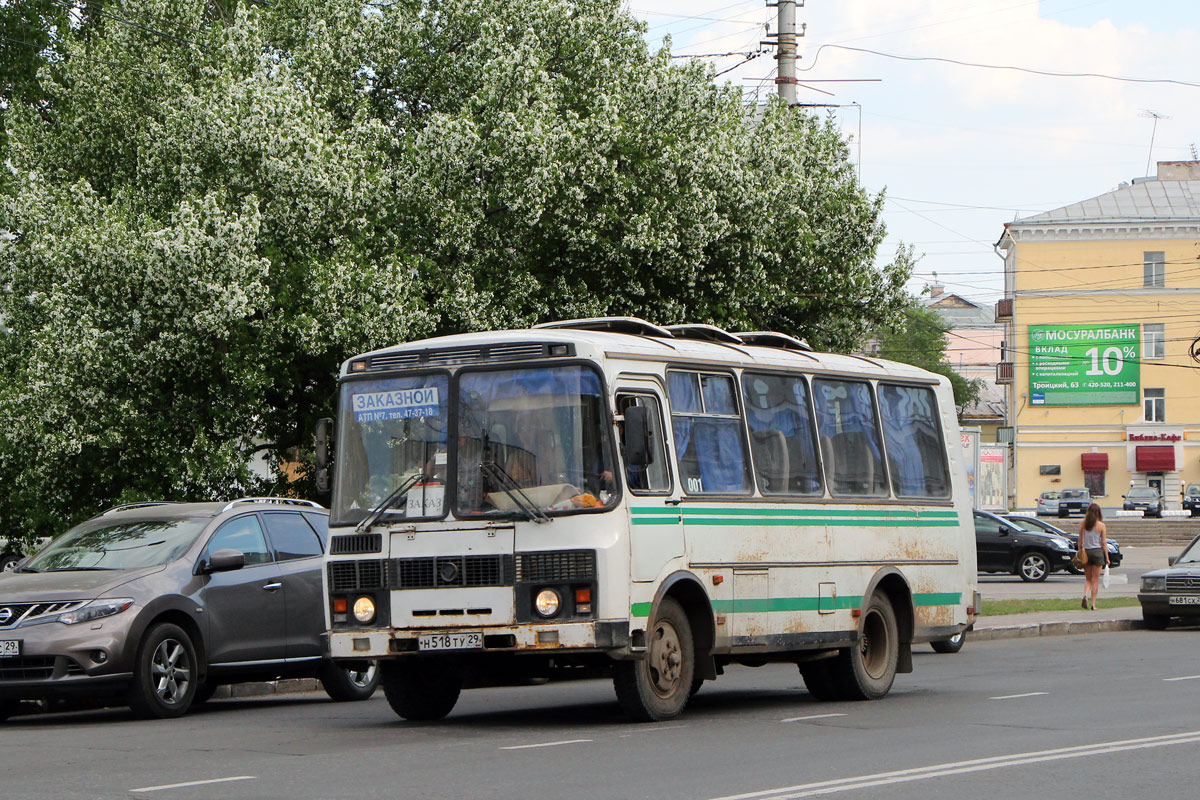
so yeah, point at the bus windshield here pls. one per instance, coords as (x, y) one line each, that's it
(529, 442)
(392, 432)
(532, 441)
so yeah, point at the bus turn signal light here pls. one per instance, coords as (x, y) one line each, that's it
(339, 605)
(583, 595)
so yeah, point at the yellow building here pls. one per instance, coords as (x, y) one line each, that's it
(1102, 306)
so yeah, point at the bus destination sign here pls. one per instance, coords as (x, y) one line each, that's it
(1084, 365)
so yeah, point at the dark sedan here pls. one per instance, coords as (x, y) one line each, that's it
(1004, 546)
(1145, 500)
(1191, 499)
(1173, 592)
(1032, 523)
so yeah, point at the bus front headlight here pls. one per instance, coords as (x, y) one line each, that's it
(364, 609)
(547, 602)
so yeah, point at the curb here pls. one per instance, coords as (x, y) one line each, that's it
(1055, 629)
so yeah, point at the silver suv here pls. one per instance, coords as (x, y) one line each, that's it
(160, 603)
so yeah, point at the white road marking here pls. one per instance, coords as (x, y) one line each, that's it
(814, 716)
(193, 783)
(545, 744)
(1184, 678)
(1015, 696)
(649, 729)
(963, 767)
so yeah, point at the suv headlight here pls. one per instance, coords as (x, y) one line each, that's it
(96, 609)
(1063, 544)
(1154, 583)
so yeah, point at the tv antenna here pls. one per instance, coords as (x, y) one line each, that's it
(1154, 115)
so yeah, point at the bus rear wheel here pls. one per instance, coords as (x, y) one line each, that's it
(867, 670)
(420, 691)
(657, 687)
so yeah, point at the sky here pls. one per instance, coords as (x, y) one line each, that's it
(961, 150)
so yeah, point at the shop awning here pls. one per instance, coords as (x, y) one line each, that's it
(1094, 461)
(1155, 458)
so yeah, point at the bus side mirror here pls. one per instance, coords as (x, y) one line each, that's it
(321, 437)
(637, 436)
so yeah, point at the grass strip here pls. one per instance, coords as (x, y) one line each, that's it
(997, 608)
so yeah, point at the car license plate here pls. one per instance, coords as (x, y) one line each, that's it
(1185, 600)
(471, 640)
(10, 648)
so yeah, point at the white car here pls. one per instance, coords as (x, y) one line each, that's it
(1047, 504)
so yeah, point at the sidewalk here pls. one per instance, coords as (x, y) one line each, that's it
(1056, 623)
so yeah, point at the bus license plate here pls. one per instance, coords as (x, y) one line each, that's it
(10, 648)
(1185, 600)
(472, 640)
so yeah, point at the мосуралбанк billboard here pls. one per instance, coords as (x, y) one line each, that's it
(1084, 365)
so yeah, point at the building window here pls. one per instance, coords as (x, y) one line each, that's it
(1093, 479)
(1155, 405)
(1154, 268)
(1154, 340)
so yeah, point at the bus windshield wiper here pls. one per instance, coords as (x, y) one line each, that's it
(509, 486)
(386, 503)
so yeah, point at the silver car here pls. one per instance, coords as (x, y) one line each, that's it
(159, 604)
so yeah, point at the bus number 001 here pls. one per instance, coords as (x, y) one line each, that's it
(1111, 362)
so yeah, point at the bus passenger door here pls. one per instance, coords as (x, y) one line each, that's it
(655, 528)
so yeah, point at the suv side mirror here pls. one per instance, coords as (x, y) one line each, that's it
(225, 560)
(1005, 530)
(637, 437)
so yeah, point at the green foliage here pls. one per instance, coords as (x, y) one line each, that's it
(920, 339)
(212, 203)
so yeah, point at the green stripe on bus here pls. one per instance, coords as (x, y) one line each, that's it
(803, 522)
(795, 512)
(754, 605)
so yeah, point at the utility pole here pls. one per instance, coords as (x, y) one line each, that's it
(786, 37)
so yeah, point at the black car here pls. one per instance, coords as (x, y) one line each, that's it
(1173, 592)
(1144, 499)
(1191, 499)
(1032, 523)
(1073, 501)
(1004, 546)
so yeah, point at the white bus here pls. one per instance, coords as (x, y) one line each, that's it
(611, 498)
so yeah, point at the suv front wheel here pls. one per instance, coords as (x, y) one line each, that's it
(1033, 566)
(164, 676)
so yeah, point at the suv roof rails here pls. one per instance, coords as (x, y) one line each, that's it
(774, 339)
(129, 506)
(284, 501)
(630, 325)
(704, 333)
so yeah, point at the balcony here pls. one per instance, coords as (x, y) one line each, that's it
(1005, 371)
(1004, 309)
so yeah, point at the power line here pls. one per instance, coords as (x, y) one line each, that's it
(67, 56)
(133, 24)
(1007, 67)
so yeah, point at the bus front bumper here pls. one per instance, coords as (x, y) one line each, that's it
(605, 635)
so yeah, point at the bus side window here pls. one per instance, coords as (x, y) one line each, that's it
(915, 447)
(850, 445)
(655, 477)
(781, 434)
(709, 444)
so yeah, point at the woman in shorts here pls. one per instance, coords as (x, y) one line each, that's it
(1093, 542)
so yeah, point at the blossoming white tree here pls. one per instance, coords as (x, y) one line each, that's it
(209, 205)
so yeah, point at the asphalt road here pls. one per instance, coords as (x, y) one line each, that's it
(1067, 717)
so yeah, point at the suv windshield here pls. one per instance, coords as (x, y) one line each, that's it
(532, 441)
(105, 544)
(1193, 490)
(1143, 494)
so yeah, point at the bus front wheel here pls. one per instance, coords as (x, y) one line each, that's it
(657, 687)
(868, 669)
(420, 690)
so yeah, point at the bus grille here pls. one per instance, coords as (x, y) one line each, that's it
(349, 576)
(448, 571)
(555, 567)
(355, 543)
